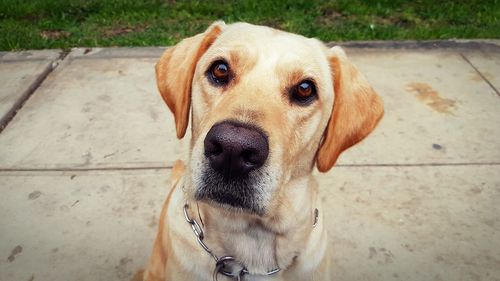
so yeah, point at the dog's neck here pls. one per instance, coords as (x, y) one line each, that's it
(262, 243)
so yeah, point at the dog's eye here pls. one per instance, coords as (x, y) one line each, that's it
(219, 73)
(303, 93)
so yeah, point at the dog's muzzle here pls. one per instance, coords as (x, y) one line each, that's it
(235, 154)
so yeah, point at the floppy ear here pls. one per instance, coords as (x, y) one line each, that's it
(356, 110)
(175, 70)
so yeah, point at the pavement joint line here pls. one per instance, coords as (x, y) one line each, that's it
(96, 57)
(170, 167)
(480, 74)
(4, 122)
(24, 60)
(446, 45)
(420, 164)
(84, 169)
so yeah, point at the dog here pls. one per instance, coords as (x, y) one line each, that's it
(266, 107)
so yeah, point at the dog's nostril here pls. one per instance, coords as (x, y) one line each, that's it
(250, 156)
(213, 148)
(245, 156)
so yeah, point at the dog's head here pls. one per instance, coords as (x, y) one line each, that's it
(266, 106)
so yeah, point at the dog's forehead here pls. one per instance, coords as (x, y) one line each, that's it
(261, 36)
(269, 45)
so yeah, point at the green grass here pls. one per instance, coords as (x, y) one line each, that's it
(40, 24)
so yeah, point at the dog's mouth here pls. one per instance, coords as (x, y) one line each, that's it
(238, 194)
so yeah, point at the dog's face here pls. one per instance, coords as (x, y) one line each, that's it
(261, 102)
(266, 106)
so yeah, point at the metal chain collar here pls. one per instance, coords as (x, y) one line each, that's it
(224, 263)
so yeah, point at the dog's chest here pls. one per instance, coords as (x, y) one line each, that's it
(253, 246)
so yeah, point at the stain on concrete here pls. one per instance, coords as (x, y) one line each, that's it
(408, 247)
(55, 250)
(431, 97)
(372, 252)
(104, 98)
(153, 114)
(383, 255)
(151, 203)
(110, 154)
(437, 146)
(16, 251)
(32, 277)
(153, 222)
(104, 188)
(388, 256)
(121, 268)
(72, 177)
(476, 190)
(489, 222)
(124, 261)
(34, 195)
(439, 259)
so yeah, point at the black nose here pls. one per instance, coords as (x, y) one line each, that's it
(234, 149)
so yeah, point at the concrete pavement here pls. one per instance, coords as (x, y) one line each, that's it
(85, 160)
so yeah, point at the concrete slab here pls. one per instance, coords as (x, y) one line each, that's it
(20, 73)
(414, 223)
(102, 110)
(78, 226)
(437, 111)
(409, 223)
(93, 111)
(488, 64)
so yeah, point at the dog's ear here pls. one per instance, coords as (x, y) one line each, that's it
(356, 110)
(175, 70)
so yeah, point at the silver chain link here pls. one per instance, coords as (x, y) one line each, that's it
(220, 263)
(198, 232)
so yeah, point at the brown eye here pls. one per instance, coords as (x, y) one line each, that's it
(304, 89)
(219, 73)
(303, 93)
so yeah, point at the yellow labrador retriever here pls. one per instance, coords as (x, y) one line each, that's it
(266, 107)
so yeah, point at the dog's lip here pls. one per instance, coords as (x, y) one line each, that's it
(232, 208)
(226, 206)
(234, 194)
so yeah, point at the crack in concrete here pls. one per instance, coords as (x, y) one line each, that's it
(4, 122)
(480, 74)
(419, 164)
